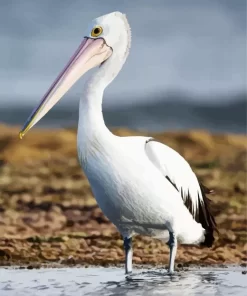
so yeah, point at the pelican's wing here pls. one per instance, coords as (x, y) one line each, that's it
(179, 173)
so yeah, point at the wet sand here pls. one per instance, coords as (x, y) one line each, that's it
(49, 216)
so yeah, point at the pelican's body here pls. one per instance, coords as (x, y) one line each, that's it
(132, 192)
(141, 185)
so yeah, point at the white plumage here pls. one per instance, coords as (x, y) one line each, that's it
(133, 193)
(141, 185)
(174, 166)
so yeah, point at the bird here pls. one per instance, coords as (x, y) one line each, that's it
(141, 185)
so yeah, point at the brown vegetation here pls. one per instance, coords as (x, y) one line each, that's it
(48, 214)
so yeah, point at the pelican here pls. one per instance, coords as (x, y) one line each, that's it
(143, 186)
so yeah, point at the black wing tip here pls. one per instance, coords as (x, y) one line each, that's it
(209, 239)
(205, 189)
(206, 217)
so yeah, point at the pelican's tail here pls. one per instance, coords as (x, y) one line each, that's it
(192, 234)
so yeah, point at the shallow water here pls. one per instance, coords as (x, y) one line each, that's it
(112, 281)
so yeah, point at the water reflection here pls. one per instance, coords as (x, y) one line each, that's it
(112, 281)
(159, 283)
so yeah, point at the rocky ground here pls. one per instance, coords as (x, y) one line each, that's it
(48, 214)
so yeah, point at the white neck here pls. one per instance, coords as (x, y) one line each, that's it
(91, 124)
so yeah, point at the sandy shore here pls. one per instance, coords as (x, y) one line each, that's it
(48, 214)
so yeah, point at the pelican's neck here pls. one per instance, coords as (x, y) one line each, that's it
(91, 122)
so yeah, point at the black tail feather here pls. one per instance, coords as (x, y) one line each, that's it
(203, 215)
(206, 218)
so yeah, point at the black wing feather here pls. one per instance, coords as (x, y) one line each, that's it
(204, 214)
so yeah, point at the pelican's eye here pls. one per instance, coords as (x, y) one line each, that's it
(97, 31)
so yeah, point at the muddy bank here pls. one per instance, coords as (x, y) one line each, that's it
(48, 214)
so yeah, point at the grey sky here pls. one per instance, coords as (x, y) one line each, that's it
(198, 46)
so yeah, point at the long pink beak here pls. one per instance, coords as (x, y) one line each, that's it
(91, 53)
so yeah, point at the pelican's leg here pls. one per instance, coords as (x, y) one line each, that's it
(172, 243)
(128, 254)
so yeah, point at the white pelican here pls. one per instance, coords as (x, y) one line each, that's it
(143, 186)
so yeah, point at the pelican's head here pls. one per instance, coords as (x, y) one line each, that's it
(105, 36)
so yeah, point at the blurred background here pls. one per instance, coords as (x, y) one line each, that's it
(186, 68)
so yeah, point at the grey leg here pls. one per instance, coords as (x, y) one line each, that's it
(128, 254)
(172, 243)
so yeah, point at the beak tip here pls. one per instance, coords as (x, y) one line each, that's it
(21, 135)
